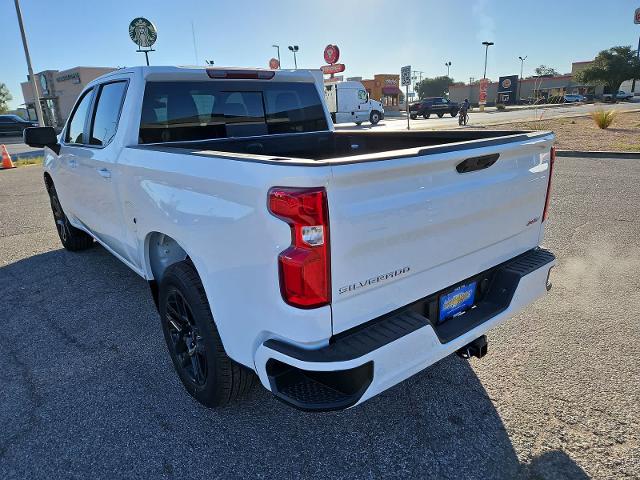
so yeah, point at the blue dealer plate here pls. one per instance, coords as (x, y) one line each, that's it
(457, 300)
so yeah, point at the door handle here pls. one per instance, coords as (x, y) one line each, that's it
(477, 163)
(104, 172)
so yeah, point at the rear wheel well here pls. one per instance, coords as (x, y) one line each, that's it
(48, 181)
(162, 252)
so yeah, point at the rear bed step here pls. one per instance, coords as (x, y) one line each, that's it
(318, 391)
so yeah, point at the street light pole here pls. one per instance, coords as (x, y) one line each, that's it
(294, 49)
(522, 59)
(32, 78)
(486, 53)
(447, 64)
(277, 47)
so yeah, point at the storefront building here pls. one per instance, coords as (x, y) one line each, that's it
(386, 89)
(531, 90)
(58, 91)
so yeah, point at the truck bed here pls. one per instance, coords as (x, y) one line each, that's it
(345, 146)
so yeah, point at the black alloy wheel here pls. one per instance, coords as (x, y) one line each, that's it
(193, 341)
(72, 238)
(187, 344)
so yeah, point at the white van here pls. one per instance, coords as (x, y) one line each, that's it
(350, 102)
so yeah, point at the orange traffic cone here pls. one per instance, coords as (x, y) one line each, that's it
(6, 158)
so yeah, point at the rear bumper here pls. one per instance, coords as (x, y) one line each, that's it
(367, 360)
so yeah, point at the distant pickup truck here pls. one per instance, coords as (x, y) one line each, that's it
(620, 96)
(331, 264)
(436, 105)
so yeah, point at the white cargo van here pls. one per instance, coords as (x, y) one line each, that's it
(350, 102)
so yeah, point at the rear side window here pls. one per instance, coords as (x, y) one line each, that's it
(107, 113)
(179, 111)
(75, 128)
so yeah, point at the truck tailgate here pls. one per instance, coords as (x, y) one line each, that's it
(407, 227)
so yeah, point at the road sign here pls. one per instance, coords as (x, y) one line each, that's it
(331, 54)
(405, 80)
(405, 74)
(636, 17)
(331, 69)
(143, 32)
(274, 64)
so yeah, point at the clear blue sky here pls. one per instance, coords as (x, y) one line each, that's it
(376, 36)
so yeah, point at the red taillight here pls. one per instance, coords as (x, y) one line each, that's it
(304, 266)
(240, 74)
(552, 159)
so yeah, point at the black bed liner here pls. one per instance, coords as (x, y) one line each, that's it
(319, 147)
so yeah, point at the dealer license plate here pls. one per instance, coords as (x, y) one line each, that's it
(457, 300)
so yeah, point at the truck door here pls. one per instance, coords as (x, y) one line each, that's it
(67, 177)
(364, 107)
(102, 211)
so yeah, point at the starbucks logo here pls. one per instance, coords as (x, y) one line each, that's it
(143, 32)
(506, 83)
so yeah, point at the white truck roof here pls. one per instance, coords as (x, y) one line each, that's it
(192, 72)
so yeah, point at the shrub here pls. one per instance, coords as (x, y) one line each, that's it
(501, 106)
(603, 118)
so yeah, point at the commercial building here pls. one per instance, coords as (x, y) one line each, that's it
(58, 91)
(531, 89)
(385, 88)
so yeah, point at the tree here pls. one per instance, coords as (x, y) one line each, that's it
(5, 98)
(433, 87)
(611, 68)
(544, 71)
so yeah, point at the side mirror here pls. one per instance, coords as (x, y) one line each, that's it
(41, 137)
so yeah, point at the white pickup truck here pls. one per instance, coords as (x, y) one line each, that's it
(331, 264)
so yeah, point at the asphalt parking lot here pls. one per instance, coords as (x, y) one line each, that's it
(88, 391)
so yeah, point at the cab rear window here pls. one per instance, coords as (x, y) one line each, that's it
(181, 111)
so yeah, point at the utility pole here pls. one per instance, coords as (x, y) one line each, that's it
(633, 84)
(32, 78)
(277, 47)
(522, 59)
(417, 77)
(195, 46)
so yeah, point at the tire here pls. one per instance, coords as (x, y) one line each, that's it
(72, 238)
(358, 123)
(194, 344)
(413, 117)
(374, 117)
(426, 115)
(440, 115)
(454, 113)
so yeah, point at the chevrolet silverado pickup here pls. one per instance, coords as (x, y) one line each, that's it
(331, 265)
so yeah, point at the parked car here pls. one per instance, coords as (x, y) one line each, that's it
(573, 98)
(350, 102)
(620, 96)
(14, 124)
(436, 105)
(331, 264)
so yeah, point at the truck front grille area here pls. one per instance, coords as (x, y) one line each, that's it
(334, 390)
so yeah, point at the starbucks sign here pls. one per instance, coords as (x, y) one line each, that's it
(143, 32)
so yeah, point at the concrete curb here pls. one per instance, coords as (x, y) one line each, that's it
(597, 154)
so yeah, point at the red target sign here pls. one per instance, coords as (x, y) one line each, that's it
(274, 64)
(636, 18)
(331, 54)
